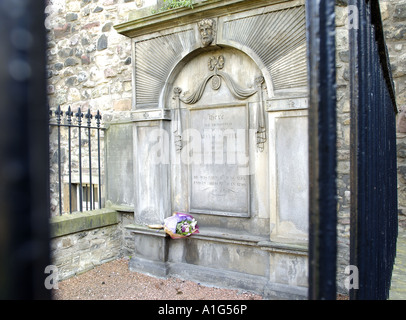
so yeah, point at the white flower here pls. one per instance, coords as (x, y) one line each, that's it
(193, 223)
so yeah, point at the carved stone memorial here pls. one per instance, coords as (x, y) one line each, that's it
(219, 130)
(216, 185)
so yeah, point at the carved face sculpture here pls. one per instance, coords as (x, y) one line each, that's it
(207, 31)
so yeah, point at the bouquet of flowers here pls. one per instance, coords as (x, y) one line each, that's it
(180, 225)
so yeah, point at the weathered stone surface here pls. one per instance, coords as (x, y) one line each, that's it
(85, 2)
(70, 62)
(72, 81)
(107, 27)
(401, 121)
(50, 89)
(65, 52)
(58, 66)
(109, 2)
(122, 105)
(97, 9)
(73, 223)
(110, 73)
(71, 17)
(85, 245)
(82, 76)
(219, 188)
(400, 12)
(119, 153)
(127, 61)
(402, 171)
(396, 33)
(62, 31)
(102, 42)
(91, 25)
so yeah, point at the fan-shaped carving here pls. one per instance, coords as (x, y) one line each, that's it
(154, 61)
(279, 40)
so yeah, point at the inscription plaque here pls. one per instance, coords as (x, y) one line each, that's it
(219, 182)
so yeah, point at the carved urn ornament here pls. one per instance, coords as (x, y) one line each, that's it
(215, 65)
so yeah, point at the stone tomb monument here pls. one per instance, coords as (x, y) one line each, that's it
(218, 130)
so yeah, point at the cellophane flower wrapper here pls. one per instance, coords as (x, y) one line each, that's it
(180, 225)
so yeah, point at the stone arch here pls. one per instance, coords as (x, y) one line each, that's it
(186, 58)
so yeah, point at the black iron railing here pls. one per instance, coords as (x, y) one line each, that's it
(373, 231)
(374, 220)
(81, 195)
(374, 213)
(322, 149)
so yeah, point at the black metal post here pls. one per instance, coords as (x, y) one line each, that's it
(86, 196)
(322, 149)
(58, 114)
(79, 116)
(98, 119)
(373, 156)
(69, 114)
(89, 124)
(24, 152)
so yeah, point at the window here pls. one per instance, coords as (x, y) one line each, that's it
(89, 197)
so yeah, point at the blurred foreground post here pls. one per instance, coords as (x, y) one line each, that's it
(24, 169)
(322, 149)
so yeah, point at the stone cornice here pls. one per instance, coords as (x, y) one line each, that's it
(183, 16)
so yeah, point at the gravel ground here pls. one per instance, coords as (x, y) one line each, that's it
(113, 281)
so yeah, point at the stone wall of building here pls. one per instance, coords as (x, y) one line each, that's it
(76, 253)
(394, 20)
(343, 144)
(89, 63)
(394, 17)
(81, 241)
(89, 67)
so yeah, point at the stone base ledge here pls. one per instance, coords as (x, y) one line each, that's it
(140, 229)
(286, 248)
(237, 280)
(158, 255)
(81, 221)
(219, 278)
(210, 234)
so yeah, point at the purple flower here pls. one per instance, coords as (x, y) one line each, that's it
(183, 216)
(181, 224)
(172, 221)
(185, 228)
